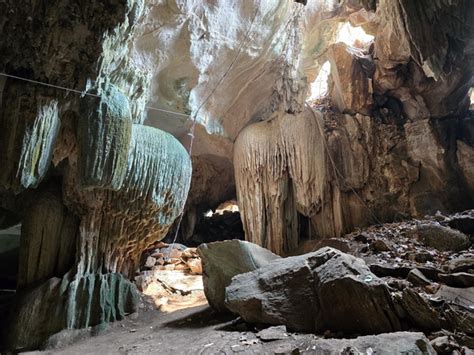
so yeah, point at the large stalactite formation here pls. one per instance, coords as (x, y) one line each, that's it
(115, 186)
(97, 175)
(395, 140)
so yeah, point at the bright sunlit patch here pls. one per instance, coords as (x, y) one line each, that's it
(353, 36)
(319, 87)
(227, 206)
(189, 290)
(471, 96)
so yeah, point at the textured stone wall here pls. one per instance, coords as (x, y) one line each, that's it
(92, 186)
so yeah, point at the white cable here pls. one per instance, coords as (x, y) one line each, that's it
(82, 93)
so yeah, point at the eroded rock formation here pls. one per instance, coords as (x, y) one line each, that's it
(395, 139)
(94, 181)
(93, 186)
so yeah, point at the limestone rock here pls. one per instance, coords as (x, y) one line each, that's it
(104, 136)
(48, 239)
(195, 265)
(150, 262)
(28, 135)
(465, 155)
(221, 261)
(458, 279)
(460, 264)
(463, 297)
(273, 333)
(279, 172)
(417, 278)
(350, 89)
(445, 345)
(442, 238)
(463, 223)
(323, 290)
(86, 301)
(418, 311)
(390, 343)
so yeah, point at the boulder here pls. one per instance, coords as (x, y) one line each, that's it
(463, 223)
(150, 262)
(460, 264)
(463, 297)
(323, 290)
(442, 238)
(417, 310)
(445, 345)
(223, 260)
(417, 278)
(272, 333)
(458, 279)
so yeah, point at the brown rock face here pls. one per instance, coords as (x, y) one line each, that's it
(350, 88)
(369, 172)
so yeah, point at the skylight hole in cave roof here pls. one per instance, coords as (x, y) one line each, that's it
(353, 36)
(319, 87)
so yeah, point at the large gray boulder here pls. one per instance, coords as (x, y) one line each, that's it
(223, 260)
(442, 238)
(326, 289)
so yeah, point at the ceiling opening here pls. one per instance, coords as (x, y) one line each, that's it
(353, 36)
(319, 87)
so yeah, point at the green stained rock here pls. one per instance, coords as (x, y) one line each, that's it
(28, 130)
(38, 145)
(104, 139)
(159, 171)
(85, 301)
(48, 240)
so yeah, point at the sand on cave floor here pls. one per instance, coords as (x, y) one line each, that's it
(196, 330)
(174, 318)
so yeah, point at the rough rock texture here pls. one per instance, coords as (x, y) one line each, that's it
(223, 260)
(323, 290)
(60, 304)
(241, 63)
(404, 149)
(391, 343)
(442, 238)
(107, 187)
(329, 291)
(354, 95)
(279, 172)
(369, 173)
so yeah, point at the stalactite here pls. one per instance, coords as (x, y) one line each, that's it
(280, 171)
(104, 138)
(28, 130)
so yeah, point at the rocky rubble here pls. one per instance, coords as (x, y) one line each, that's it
(400, 276)
(172, 257)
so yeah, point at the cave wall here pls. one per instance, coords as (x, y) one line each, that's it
(396, 130)
(97, 170)
(91, 184)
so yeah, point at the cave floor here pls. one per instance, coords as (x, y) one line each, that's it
(178, 320)
(196, 330)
